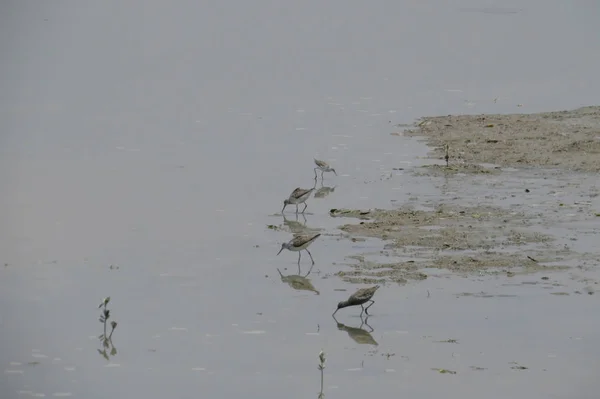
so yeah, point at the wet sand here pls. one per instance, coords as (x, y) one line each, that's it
(529, 163)
(562, 140)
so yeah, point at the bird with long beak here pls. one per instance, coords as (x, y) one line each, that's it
(360, 297)
(323, 167)
(299, 243)
(298, 196)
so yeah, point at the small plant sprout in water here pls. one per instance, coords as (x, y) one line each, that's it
(104, 338)
(321, 368)
(322, 360)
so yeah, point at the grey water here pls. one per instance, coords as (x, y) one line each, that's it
(146, 145)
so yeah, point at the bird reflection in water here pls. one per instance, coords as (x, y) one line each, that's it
(298, 282)
(358, 334)
(297, 227)
(323, 191)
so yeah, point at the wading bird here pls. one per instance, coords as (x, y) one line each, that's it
(360, 297)
(323, 167)
(299, 243)
(298, 196)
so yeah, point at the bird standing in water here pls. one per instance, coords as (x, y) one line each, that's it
(323, 167)
(360, 297)
(298, 196)
(299, 243)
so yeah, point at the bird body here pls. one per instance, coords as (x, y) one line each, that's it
(360, 297)
(299, 243)
(323, 167)
(298, 196)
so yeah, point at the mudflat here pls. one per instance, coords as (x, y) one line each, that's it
(520, 196)
(564, 139)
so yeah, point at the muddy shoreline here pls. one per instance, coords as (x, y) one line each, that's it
(564, 139)
(456, 236)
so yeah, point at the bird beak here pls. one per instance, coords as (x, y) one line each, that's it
(282, 209)
(334, 313)
(279, 251)
(334, 172)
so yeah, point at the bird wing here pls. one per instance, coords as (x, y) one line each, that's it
(300, 240)
(321, 163)
(299, 192)
(365, 292)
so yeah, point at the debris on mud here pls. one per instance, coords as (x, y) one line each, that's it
(517, 366)
(444, 371)
(361, 214)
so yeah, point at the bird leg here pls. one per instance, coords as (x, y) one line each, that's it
(303, 217)
(299, 255)
(296, 208)
(361, 312)
(309, 254)
(316, 173)
(309, 270)
(366, 310)
(305, 206)
(322, 175)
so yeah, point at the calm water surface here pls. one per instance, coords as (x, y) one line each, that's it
(162, 137)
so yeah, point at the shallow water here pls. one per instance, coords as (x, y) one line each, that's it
(162, 141)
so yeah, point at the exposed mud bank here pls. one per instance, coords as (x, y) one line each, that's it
(565, 139)
(537, 172)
